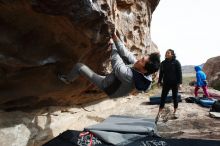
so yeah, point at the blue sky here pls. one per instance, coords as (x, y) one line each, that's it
(190, 27)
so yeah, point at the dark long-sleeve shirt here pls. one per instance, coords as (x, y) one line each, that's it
(170, 72)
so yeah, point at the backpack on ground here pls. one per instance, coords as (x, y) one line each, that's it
(192, 100)
(216, 106)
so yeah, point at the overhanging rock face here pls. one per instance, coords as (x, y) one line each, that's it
(41, 38)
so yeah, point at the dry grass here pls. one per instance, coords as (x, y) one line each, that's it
(188, 77)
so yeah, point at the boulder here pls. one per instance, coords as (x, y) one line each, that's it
(212, 69)
(40, 39)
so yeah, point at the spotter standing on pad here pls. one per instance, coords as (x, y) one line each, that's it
(170, 78)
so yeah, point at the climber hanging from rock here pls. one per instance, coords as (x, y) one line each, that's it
(127, 71)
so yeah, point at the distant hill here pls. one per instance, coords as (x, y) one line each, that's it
(188, 69)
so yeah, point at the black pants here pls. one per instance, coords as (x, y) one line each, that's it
(165, 91)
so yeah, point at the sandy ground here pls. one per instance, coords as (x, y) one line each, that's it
(39, 126)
